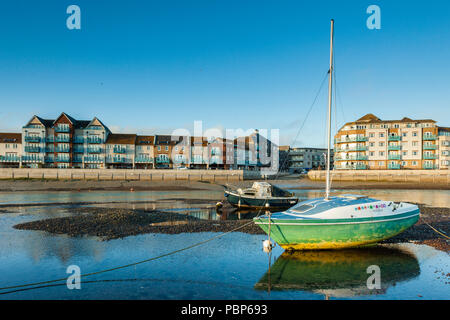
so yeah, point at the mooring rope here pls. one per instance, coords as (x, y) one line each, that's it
(435, 230)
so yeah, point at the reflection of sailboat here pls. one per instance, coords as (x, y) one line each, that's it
(339, 273)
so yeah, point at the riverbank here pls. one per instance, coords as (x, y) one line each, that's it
(292, 182)
(114, 223)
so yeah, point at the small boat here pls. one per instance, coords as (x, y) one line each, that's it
(337, 222)
(261, 195)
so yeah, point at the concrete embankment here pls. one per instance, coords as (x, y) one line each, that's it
(128, 174)
(441, 177)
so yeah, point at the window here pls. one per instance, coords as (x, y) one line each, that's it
(371, 134)
(372, 144)
(405, 153)
(381, 134)
(405, 134)
(403, 163)
(415, 143)
(381, 163)
(159, 148)
(381, 153)
(415, 134)
(414, 153)
(414, 163)
(167, 148)
(372, 153)
(381, 144)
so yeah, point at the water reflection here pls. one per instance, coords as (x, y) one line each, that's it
(340, 273)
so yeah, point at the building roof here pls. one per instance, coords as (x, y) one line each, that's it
(77, 124)
(167, 139)
(145, 140)
(121, 138)
(370, 118)
(10, 137)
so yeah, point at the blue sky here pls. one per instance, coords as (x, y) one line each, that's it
(154, 66)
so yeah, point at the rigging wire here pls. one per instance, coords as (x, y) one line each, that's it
(178, 250)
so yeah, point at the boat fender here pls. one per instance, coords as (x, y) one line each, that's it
(267, 246)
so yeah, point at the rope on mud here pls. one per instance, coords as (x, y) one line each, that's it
(437, 231)
(175, 251)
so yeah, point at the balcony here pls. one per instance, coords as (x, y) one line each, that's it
(50, 139)
(430, 156)
(9, 158)
(162, 160)
(32, 159)
(78, 140)
(429, 137)
(62, 150)
(33, 149)
(78, 150)
(62, 129)
(49, 160)
(77, 160)
(394, 148)
(429, 166)
(94, 150)
(394, 138)
(94, 140)
(358, 148)
(394, 157)
(120, 150)
(143, 160)
(33, 139)
(93, 159)
(359, 166)
(352, 139)
(62, 159)
(429, 147)
(62, 139)
(394, 166)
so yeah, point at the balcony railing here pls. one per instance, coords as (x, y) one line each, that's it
(9, 159)
(121, 160)
(358, 157)
(119, 150)
(49, 160)
(50, 139)
(358, 148)
(32, 159)
(94, 150)
(62, 139)
(394, 138)
(429, 137)
(351, 139)
(62, 150)
(62, 159)
(62, 129)
(429, 147)
(429, 166)
(94, 140)
(78, 140)
(143, 160)
(77, 160)
(93, 159)
(394, 166)
(33, 149)
(33, 139)
(430, 156)
(78, 150)
(162, 160)
(394, 157)
(394, 148)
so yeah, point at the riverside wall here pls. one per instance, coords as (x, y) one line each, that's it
(409, 176)
(128, 174)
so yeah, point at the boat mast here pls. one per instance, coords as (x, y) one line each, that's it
(330, 78)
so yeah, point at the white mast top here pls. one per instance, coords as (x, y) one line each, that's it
(330, 82)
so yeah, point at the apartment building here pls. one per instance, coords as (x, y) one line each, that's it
(66, 142)
(372, 143)
(300, 159)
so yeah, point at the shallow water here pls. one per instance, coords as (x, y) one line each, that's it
(231, 267)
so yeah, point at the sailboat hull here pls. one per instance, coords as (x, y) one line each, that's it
(316, 234)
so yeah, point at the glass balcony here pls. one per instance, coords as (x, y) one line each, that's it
(120, 150)
(93, 159)
(33, 139)
(49, 160)
(62, 150)
(430, 156)
(429, 137)
(62, 129)
(394, 166)
(394, 138)
(94, 150)
(162, 160)
(121, 160)
(62, 139)
(429, 166)
(143, 160)
(430, 147)
(31, 159)
(78, 140)
(78, 150)
(62, 159)
(8, 158)
(33, 149)
(352, 139)
(394, 157)
(94, 140)
(50, 139)
(77, 160)
(394, 148)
